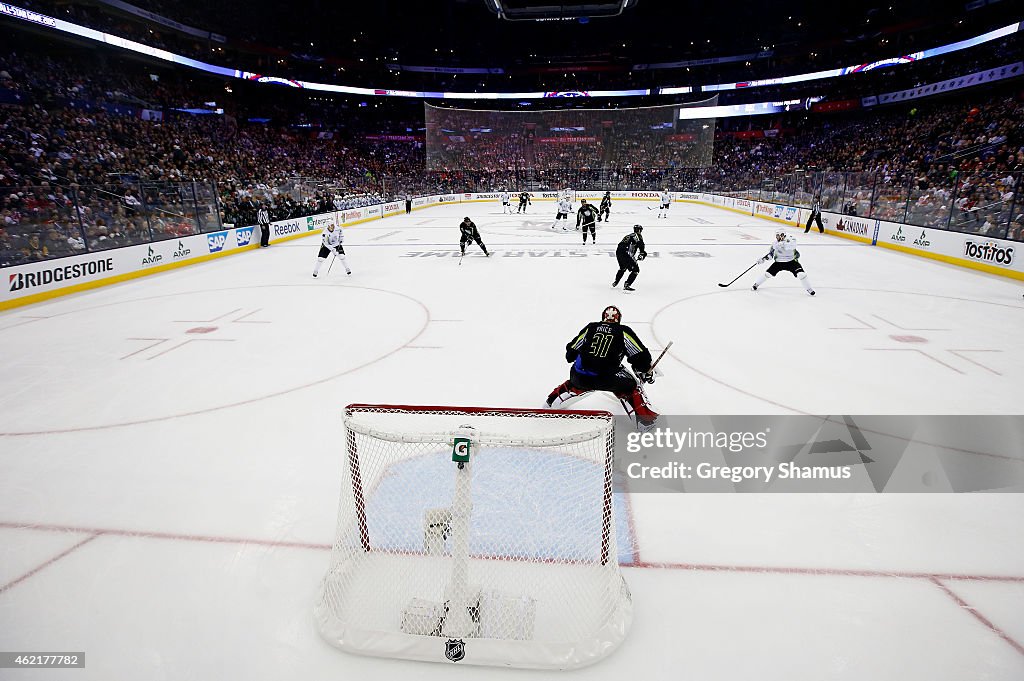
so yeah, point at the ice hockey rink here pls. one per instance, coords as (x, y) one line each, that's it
(171, 447)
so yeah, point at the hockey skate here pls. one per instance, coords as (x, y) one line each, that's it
(627, 287)
(754, 287)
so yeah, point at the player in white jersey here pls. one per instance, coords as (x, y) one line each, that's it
(331, 241)
(666, 201)
(564, 206)
(506, 206)
(787, 258)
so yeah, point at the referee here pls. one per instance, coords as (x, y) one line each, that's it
(815, 215)
(263, 218)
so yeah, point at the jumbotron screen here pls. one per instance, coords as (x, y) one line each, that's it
(490, 140)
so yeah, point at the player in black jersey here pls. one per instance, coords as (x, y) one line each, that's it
(596, 355)
(606, 207)
(587, 216)
(524, 201)
(626, 254)
(470, 233)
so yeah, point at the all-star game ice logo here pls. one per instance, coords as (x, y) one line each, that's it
(455, 649)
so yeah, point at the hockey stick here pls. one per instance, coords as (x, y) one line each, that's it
(333, 258)
(664, 350)
(741, 274)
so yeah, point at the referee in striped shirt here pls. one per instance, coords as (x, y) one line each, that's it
(263, 218)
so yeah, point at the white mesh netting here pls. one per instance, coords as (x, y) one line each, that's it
(509, 560)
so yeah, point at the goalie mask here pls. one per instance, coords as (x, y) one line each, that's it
(611, 315)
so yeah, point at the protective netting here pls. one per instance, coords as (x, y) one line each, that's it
(644, 137)
(513, 554)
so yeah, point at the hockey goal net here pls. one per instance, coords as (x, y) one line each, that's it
(484, 536)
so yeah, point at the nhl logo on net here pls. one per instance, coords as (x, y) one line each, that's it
(455, 649)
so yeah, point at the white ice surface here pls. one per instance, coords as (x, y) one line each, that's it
(208, 469)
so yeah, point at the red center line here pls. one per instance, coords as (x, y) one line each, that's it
(699, 567)
(981, 618)
(47, 563)
(147, 534)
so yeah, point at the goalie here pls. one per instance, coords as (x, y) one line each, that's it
(596, 355)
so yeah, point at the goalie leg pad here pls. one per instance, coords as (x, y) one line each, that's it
(640, 407)
(564, 394)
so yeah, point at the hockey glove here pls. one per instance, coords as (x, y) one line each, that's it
(339, 250)
(642, 256)
(646, 376)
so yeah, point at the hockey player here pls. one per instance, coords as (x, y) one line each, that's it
(815, 215)
(470, 233)
(331, 240)
(506, 198)
(524, 201)
(786, 258)
(666, 201)
(626, 254)
(596, 355)
(587, 216)
(564, 206)
(606, 207)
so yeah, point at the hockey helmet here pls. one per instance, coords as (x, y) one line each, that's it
(638, 228)
(611, 315)
(583, 200)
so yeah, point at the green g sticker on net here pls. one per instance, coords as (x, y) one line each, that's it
(460, 450)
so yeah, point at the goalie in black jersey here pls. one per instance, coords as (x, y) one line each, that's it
(626, 254)
(606, 207)
(470, 233)
(596, 355)
(586, 216)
